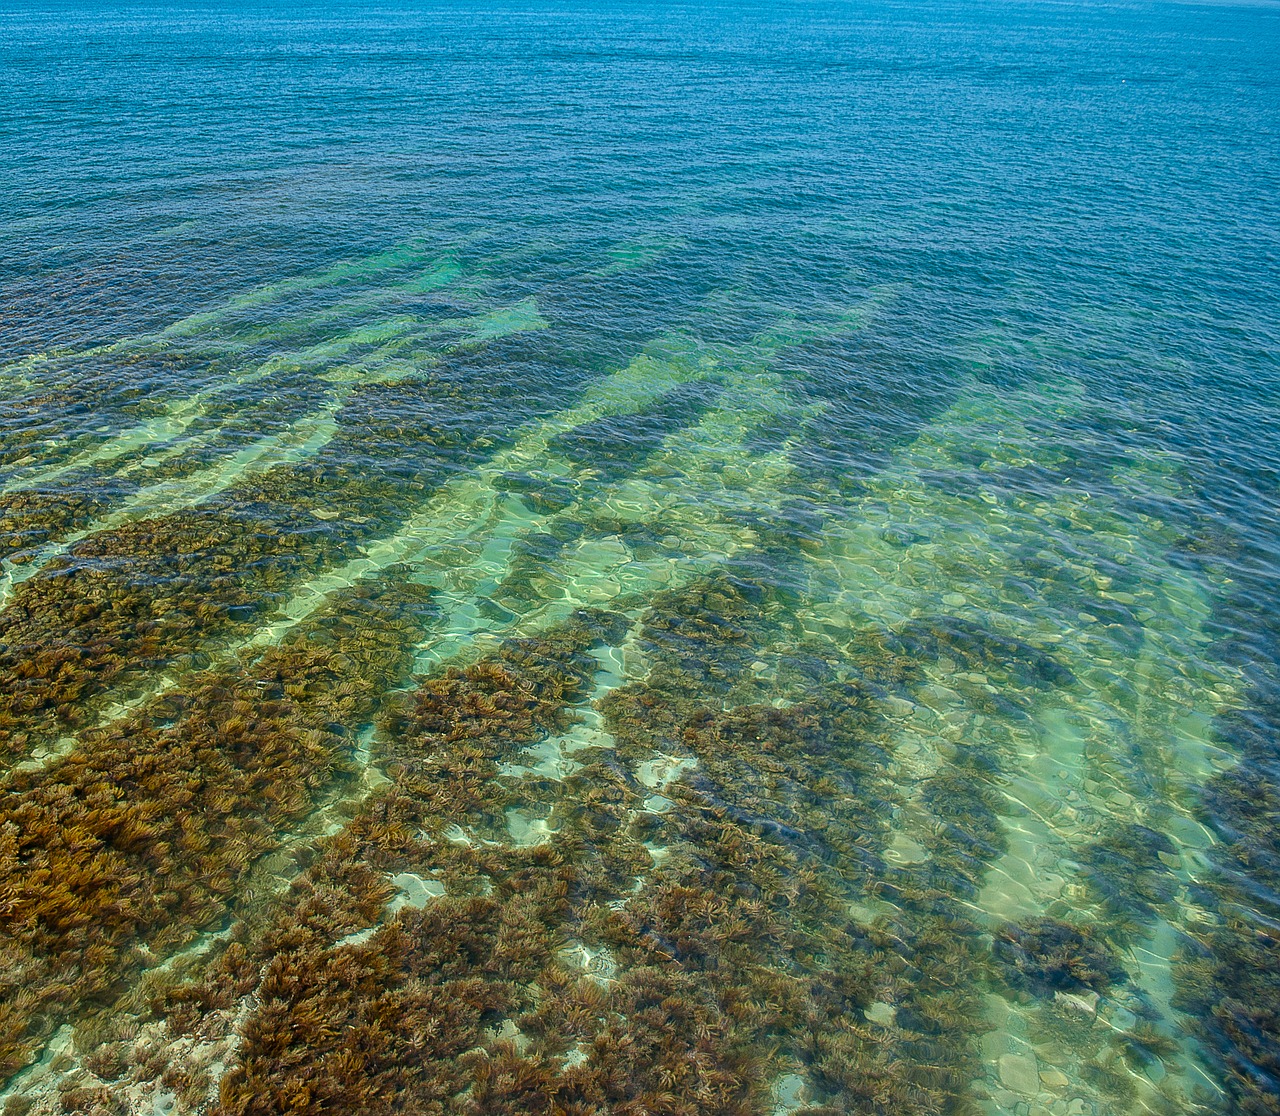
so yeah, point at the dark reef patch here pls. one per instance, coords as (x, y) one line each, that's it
(1124, 869)
(1229, 977)
(977, 648)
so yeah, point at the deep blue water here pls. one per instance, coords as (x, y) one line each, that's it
(987, 292)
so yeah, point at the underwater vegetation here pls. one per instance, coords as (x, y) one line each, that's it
(786, 809)
(32, 517)
(615, 444)
(802, 785)
(1048, 955)
(46, 423)
(115, 857)
(58, 502)
(1229, 976)
(969, 834)
(1124, 869)
(728, 614)
(849, 437)
(163, 591)
(153, 593)
(388, 1017)
(736, 845)
(978, 648)
(477, 939)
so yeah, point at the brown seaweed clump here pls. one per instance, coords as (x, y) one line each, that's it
(701, 639)
(140, 837)
(776, 829)
(763, 971)
(397, 1022)
(32, 517)
(805, 774)
(48, 512)
(1047, 955)
(47, 424)
(403, 1016)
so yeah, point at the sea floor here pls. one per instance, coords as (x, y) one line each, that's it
(381, 734)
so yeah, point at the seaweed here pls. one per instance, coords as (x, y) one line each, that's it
(398, 1017)
(1123, 868)
(142, 836)
(670, 962)
(48, 423)
(152, 594)
(971, 834)
(30, 518)
(532, 558)
(779, 823)
(1229, 978)
(980, 649)
(545, 495)
(1048, 955)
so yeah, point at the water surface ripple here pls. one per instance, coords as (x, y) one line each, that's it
(640, 558)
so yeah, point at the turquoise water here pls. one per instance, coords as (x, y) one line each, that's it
(640, 558)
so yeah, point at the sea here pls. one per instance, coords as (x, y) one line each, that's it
(640, 557)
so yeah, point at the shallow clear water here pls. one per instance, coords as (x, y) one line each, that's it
(640, 558)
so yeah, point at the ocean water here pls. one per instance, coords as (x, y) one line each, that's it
(651, 558)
